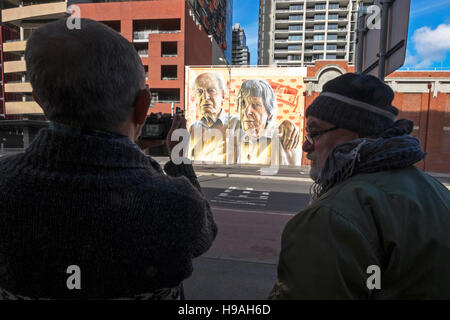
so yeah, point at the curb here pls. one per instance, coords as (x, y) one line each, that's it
(275, 178)
(250, 176)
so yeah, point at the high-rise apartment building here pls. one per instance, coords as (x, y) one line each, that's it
(241, 54)
(299, 32)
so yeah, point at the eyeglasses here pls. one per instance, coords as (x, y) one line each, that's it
(310, 137)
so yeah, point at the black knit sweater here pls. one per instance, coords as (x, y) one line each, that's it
(95, 200)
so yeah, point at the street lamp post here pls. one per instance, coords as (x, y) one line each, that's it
(229, 107)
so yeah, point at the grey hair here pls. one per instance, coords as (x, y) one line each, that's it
(259, 88)
(87, 77)
(219, 78)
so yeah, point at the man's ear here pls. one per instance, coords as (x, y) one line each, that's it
(141, 106)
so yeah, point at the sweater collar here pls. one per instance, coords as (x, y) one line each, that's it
(65, 144)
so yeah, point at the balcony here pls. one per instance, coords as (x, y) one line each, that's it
(169, 49)
(341, 9)
(18, 66)
(142, 36)
(14, 46)
(169, 72)
(281, 40)
(37, 13)
(280, 51)
(143, 53)
(18, 87)
(20, 107)
(284, 30)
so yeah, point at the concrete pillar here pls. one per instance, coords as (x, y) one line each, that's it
(26, 137)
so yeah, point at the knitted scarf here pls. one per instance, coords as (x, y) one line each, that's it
(392, 149)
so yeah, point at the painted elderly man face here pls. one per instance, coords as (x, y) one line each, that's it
(209, 96)
(254, 116)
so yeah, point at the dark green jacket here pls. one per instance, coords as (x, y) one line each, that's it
(397, 220)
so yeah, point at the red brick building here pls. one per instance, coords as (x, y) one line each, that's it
(167, 37)
(420, 96)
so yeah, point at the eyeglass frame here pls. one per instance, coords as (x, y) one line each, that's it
(310, 137)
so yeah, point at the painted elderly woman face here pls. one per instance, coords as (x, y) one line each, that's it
(254, 116)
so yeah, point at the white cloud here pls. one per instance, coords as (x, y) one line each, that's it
(431, 46)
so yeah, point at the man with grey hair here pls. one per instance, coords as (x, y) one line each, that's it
(83, 196)
(257, 105)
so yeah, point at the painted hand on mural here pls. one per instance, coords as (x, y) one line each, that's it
(289, 134)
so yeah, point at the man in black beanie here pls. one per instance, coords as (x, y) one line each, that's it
(377, 227)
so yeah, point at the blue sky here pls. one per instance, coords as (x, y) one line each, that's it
(428, 43)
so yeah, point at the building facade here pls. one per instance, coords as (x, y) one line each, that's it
(300, 32)
(241, 53)
(421, 96)
(166, 34)
(216, 16)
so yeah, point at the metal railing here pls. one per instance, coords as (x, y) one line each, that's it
(143, 35)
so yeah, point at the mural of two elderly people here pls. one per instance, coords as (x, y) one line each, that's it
(257, 138)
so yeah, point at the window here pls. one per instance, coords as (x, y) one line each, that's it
(333, 6)
(292, 57)
(319, 17)
(295, 27)
(296, 7)
(318, 47)
(169, 73)
(320, 6)
(295, 37)
(169, 49)
(296, 17)
(319, 27)
(318, 56)
(333, 16)
(331, 47)
(142, 28)
(112, 24)
(332, 26)
(332, 37)
(331, 57)
(294, 47)
(319, 37)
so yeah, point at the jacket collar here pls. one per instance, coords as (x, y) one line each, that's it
(64, 144)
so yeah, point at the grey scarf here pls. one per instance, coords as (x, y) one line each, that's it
(392, 149)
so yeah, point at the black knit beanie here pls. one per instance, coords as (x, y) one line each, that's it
(360, 103)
